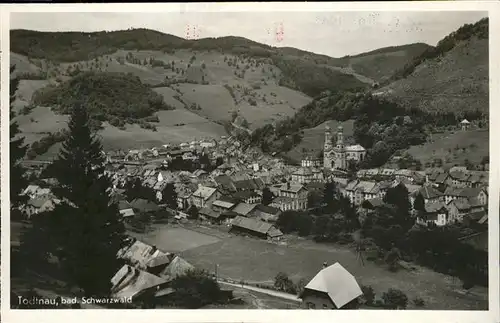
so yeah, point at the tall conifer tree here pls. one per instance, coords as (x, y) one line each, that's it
(17, 152)
(85, 231)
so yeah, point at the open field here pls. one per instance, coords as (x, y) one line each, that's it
(314, 138)
(454, 147)
(257, 261)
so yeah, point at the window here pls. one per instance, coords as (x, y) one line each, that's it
(311, 305)
(325, 306)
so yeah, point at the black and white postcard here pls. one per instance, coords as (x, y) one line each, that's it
(189, 160)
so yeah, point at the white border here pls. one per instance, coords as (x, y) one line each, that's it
(50, 316)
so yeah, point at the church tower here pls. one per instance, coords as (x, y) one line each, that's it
(327, 150)
(340, 154)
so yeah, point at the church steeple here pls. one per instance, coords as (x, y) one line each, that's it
(328, 139)
(340, 137)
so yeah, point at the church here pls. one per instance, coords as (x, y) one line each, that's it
(338, 156)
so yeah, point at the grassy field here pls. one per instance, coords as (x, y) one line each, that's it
(257, 96)
(454, 147)
(314, 138)
(257, 261)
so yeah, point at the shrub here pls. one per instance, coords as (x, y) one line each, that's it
(368, 295)
(419, 302)
(395, 299)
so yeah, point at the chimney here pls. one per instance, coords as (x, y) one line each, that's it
(325, 264)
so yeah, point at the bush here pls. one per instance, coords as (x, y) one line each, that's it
(419, 302)
(368, 295)
(395, 299)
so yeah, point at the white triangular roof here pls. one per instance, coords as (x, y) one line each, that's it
(465, 121)
(338, 283)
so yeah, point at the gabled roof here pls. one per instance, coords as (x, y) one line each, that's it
(465, 121)
(223, 204)
(139, 253)
(293, 187)
(255, 225)
(429, 192)
(144, 205)
(204, 192)
(177, 267)
(129, 282)
(434, 207)
(244, 208)
(338, 283)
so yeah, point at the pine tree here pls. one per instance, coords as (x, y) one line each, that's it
(267, 196)
(17, 152)
(419, 203)
(169, 196)
(85, 231)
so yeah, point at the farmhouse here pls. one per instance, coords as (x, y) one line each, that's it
(222, 206)
(254, 227)
(332, 288)
(139, 253)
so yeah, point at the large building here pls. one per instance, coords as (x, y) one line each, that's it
(336, 157)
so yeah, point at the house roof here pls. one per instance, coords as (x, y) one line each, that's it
(130, 281)
(244, 208)
(38, 202)
(255, 225)
(127, 212)
(144, 205)
(338, 283)
(429, 192)
(268, 209)
(223, 204)
(204, 192)
(243, 195)
(160, 260)
(465, 121)
(357, 148)
(139, 253)
(177, 267)
(293, 187)
(434, 207)
(375, 202)
(209, 212)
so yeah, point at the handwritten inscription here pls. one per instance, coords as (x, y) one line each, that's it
(192, 31)
(348, 23)
(280, 32)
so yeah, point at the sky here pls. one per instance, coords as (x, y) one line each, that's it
(334, 34)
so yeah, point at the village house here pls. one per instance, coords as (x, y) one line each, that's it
(249, 197)
(291, 197)
(454, 193)
(303, 176)
(221, 206)
(255, 228)
(430, 195)
(130, 282)
(332, 288)
(265, 213)
(310, 161)
(244, 209)
(204, 196)
(35, 191)
(458, 209)
(358, 191)
(39, 205)
(464, 125)
(436, 214)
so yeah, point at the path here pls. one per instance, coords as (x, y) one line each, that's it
(264, 291)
